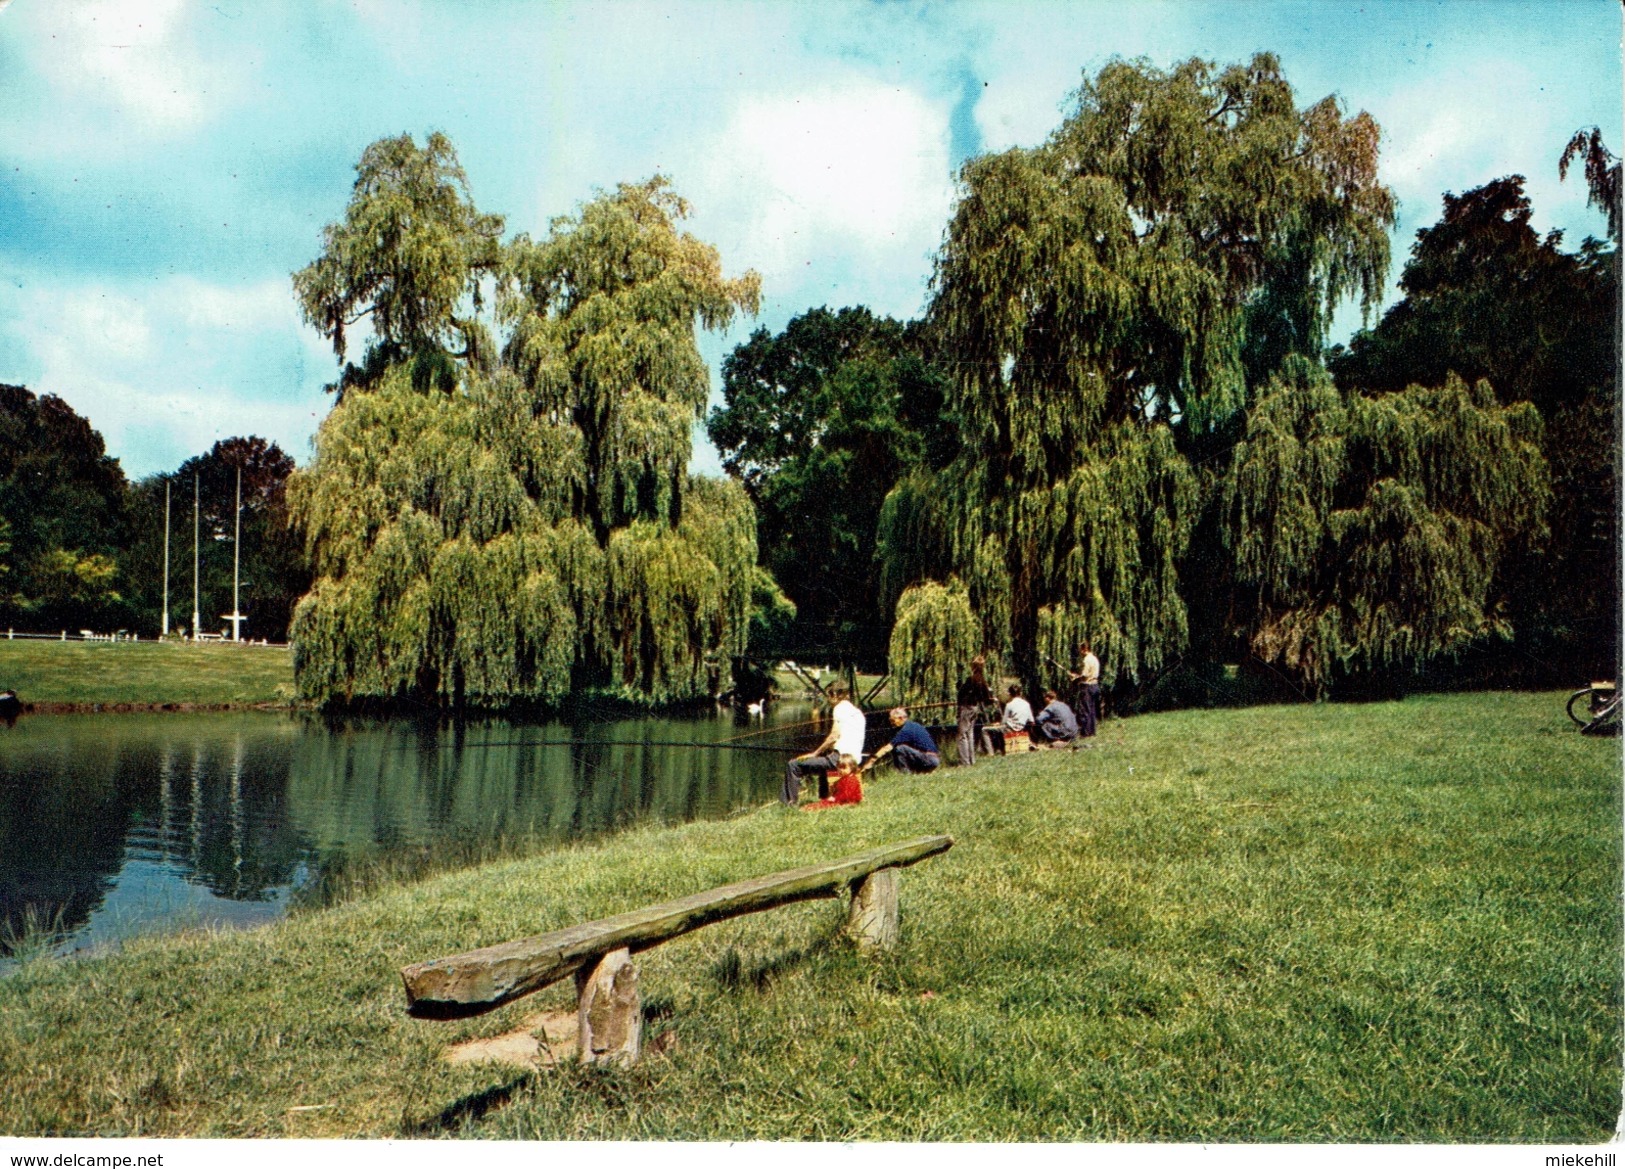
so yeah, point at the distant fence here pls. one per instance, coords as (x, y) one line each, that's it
(126, 635)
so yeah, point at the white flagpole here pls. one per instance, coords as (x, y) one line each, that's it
(165, 630)
(196, 620)
(236, 563)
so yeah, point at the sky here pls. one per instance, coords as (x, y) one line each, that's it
(166, 164)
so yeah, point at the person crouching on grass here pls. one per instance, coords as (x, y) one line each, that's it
(845, 786)
(1056, 724)
(916, 750)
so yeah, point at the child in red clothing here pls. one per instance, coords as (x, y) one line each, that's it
(845, 787)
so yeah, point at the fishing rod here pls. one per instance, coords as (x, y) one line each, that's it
(723, 746)
(818, 722)
(810, 723)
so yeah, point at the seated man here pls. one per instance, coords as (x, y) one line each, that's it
(1018, 721)
(913, 745)
(847, 726)
(1056, 724)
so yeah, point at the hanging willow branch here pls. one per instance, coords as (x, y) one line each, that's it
(1104, 301)
(534, 530)
(933, 641)
(1369, 529)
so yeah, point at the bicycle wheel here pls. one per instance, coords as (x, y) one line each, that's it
(1606, 722)
(1583, 698)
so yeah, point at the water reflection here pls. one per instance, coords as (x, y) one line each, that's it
(115, 825)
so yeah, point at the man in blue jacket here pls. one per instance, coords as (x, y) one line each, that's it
(1057, 725)
(913, 745)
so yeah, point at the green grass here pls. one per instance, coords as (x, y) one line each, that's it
(1387, 922)
(145, 672)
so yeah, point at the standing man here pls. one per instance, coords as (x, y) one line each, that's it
(845, 737)
(1087, 676)
(916, 750)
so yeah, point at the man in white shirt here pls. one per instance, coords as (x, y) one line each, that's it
(1087, 677)
(1018, 712)
(846, 734)
(1018, 718)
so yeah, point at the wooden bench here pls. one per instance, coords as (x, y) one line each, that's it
(599, 953)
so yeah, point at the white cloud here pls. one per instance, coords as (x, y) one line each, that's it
(1437, 137)
(116, 72)
(128, 48)
(118, 325)
(165, 368)
(238, 308)
(859, 171)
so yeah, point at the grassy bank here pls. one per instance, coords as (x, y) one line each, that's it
(148, 673)
(1382, 922)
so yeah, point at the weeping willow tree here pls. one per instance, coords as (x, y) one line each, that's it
(410, 259)
(933, 641)
(1367, 531)
(524, 527)
(1105, 300)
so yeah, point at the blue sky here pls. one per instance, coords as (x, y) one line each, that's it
(165, 164)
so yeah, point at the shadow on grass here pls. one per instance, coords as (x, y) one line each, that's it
(469, 1109)
(731, 971)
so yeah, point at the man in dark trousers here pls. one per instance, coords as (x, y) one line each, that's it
(913, 745)
(1087, 677)
(845, 737)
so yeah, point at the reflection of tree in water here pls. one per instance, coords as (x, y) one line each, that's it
(240, 843)
(60, 845)
(395, 799)
(78, 802)
(245, 806)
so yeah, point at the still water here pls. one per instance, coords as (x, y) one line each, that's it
(117, 825)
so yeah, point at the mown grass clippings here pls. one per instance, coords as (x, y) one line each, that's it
(1333, 934)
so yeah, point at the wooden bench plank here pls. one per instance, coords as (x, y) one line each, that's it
(481, 980)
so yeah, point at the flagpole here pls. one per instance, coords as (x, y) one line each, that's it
(196, 621)
(236, 562)
(165, 630)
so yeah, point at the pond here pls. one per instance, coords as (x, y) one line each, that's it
(114, 825)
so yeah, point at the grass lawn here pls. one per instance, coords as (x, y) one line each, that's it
(1385, 922)
(147, 672)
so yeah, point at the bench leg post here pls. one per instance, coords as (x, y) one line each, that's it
(872, 920)
(610, 1012)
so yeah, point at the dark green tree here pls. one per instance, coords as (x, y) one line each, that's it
(1486, 297)
(818, 423)
(273, 571)
(62, 499)
(1601, 171)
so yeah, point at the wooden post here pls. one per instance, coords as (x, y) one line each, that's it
(872, 920)
(610, 1013)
